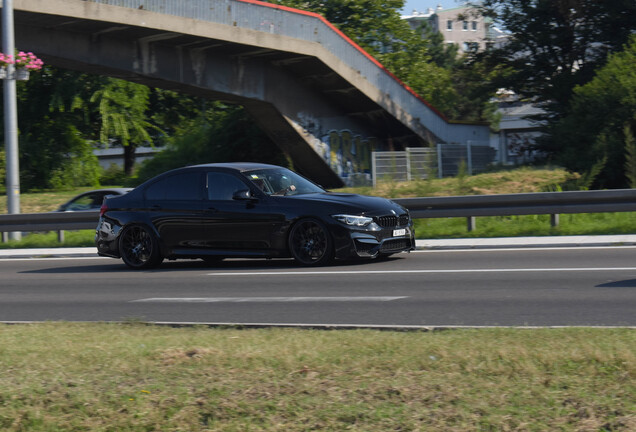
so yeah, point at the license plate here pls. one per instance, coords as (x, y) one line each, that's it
(399, 232)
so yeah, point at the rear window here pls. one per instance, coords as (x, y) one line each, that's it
(178, 187)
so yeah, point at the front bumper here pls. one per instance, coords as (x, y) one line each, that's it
(353, 242)
(370, 245)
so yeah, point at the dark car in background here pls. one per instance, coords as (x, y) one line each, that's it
(216, 211)
(91, 200)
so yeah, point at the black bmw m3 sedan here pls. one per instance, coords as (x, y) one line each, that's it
(247, 210)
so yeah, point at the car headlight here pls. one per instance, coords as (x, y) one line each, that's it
(359, 221)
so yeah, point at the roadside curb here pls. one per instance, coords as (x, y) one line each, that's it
(526, 242)
(49, 253)
(299, 326)
(426, 244)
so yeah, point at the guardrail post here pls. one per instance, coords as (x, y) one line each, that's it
(471, 223)
(60, 236)
(554, 220)
(5, 237)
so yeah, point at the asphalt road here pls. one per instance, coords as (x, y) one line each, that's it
(517, 287)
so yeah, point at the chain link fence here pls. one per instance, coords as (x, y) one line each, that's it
(443, 160)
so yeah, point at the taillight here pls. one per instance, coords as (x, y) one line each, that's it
(103, 209)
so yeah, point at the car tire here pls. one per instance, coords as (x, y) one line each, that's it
(139, 247)
(310, 243)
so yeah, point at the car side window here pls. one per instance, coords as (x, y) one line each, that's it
(86, 202)
(178, 187)
(222, 186)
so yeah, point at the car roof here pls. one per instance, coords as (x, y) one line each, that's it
(228, 166)
(239, 166)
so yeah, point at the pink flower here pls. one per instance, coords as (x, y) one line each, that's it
(6, 60)
(28, 61)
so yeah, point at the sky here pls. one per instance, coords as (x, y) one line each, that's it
(423, 5)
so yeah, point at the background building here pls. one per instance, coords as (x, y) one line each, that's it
(461, 26)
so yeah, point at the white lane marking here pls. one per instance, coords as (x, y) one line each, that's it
(266, 299)
(491, 248)
(360, 272)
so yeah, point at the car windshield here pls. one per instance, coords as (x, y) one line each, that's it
(281, 181)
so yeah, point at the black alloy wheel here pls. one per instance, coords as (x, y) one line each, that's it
(310, 243)
(139, 247)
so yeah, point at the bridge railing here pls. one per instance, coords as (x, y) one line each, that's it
(552, 203)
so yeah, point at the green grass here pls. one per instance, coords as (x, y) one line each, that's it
(520, 180)
(131, 377)
(44, 201)
(81, 238)
(533, 225)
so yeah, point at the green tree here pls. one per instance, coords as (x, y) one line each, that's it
(599, 114)
(473, 80)
(374, 24)
(443, 54)
(553, 46)
(225, 134)
(80, 167)
(412, 64)
(176, 112)
(53, 120)
(122, 107)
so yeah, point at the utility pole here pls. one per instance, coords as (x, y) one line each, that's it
(10, 117)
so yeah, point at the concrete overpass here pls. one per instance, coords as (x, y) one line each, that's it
(323, 99)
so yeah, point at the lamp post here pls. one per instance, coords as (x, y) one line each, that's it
(10, 118)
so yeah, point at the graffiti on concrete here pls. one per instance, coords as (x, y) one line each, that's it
(347, 154)
(521, 147)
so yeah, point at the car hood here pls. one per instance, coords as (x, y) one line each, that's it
(352, 202)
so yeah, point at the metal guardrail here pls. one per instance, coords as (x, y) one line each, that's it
(53, 221)
(617, 200)
(471, 206)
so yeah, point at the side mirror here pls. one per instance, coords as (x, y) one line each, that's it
(243, 195)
